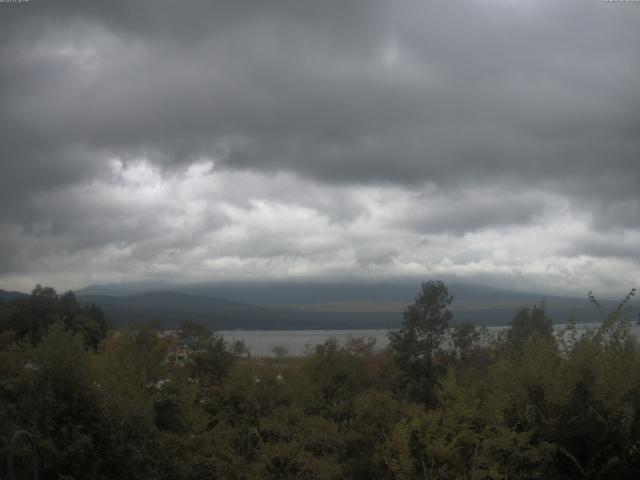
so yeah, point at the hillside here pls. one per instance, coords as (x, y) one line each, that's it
(303, 306)
(7, 296)
(321, 305)
(171, 308)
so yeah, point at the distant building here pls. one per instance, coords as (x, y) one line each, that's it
(179, 349)
(178, 355)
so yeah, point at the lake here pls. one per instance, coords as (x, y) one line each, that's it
(262, 341)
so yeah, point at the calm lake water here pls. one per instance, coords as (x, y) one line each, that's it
(296, 341)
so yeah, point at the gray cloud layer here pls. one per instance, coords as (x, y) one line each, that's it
(381, 127)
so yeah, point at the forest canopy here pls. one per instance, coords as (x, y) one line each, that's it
(439, 402)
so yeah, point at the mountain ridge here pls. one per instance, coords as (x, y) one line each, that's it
(316, 305)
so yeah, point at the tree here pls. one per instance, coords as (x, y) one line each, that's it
(89, 320)
(32, 316)
(211, 361)
(279, 351)
(464, 339)
(420, 338)
(60, 402)
(239, 348)
(195, 333)
(529, 322)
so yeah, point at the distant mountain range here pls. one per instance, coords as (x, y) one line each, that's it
(170, 308)
(7, 296)
(308, 305)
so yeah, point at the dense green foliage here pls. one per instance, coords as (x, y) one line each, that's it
(439, 403)
(32, 316)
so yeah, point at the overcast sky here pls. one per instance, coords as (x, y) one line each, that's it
(495, 141)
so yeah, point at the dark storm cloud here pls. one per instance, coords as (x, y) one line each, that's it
(458, 213)
(363, 91)
(477, 100)
(605, 247)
